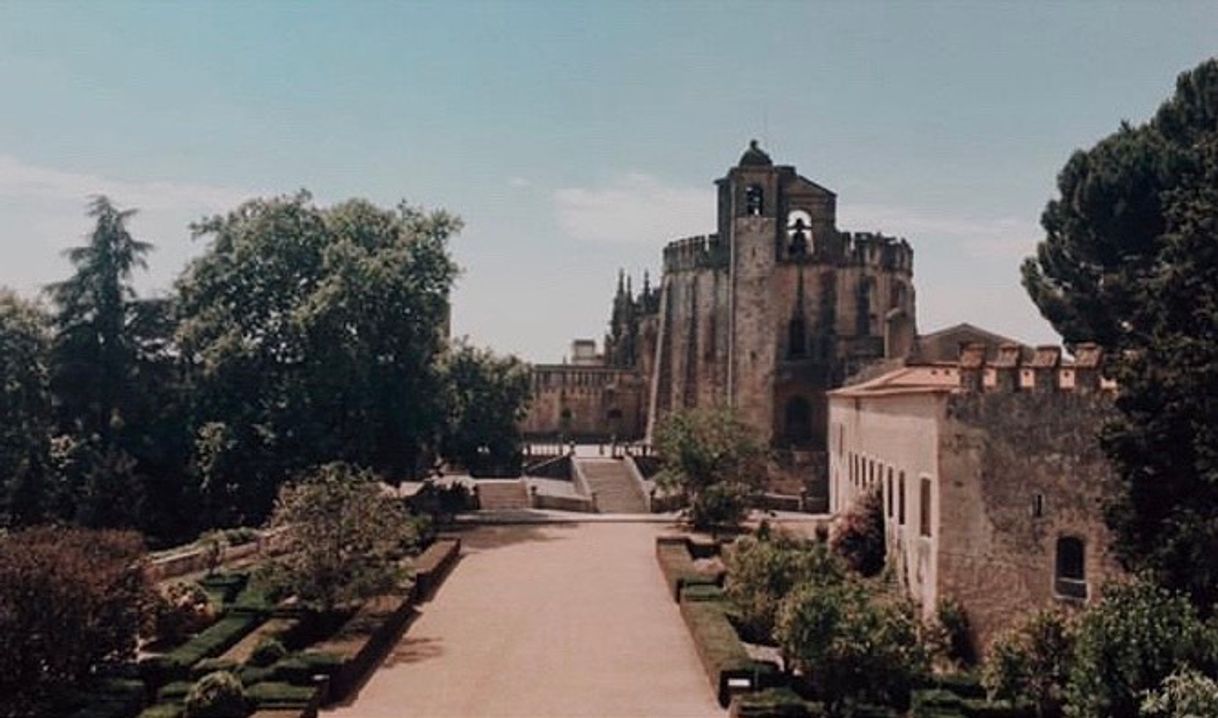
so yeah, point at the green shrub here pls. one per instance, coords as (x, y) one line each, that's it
(949, 635)
(1128, 643)
(217, 695)
(982, 708)
(268, 651)
(250, 675)
(281, 695)
(1183, 693)
(223, 587)
(965, 685)
(241, 535)
(851, 648)
(179, 610)
(1032, 661)
(760, 572)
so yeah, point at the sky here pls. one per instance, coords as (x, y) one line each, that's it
(575, 138)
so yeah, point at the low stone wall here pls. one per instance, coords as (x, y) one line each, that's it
(555, 502)
(197, 557)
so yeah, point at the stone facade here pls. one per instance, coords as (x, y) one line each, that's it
(991, 476)
(767, 315)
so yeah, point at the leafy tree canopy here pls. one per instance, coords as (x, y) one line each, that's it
(487, 396)
(314, 335)
(1130, 259)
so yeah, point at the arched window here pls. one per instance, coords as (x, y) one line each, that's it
(1070, 570)
(798, 420)
(797, 337)
(754, 200)
(799, 233)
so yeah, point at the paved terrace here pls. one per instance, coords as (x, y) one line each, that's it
(545, 620)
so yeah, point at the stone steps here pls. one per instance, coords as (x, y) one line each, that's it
(498, 494)
(616, 492)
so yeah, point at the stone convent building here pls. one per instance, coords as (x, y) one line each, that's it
(776, 308)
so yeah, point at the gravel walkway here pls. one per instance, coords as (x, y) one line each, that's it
(548, 620)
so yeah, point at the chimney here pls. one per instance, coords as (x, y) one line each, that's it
(1007, 367)
(972, 366)
(1088, 367)
(1045, 366)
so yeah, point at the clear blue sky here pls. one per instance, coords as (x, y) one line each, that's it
(575, 138)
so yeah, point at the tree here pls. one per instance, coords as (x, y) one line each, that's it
(313, 335)
(94, 350)
(70, 602)
(715, 460)
(761, 572)
(1131, 641)
(345, 537)
(26, 490)
(487, 396)
(851, 646)
(1031, 662)
(859, 534)
(1130, 260)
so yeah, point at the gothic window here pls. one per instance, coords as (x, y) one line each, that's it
(1038, 506)
(798, 415)
(1070, 571)
(889, 493)
(862, 318)
(797, 338)
(754, 200)
(898, 296)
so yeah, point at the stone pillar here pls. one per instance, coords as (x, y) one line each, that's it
(1046, 365)
(972, 366)
(1007, 366)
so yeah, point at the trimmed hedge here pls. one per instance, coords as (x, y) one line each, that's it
(300, 668)
(774, 703)
(175, 691)
(223, 587)
(214, 640)
(110, 698)
(701, 592)
(965, 685)
(723, 656)
(677, 564)
(433, 565)
(282, 695)
(211, 665)
(164, 710)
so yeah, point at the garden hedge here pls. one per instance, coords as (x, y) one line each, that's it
(773, 703)
(164, 710)
(701, 592)
(109, 698)
(677, 564)
(282, 695)
(723, 656)
(212, 641)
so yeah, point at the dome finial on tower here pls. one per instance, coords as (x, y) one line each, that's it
(754, 156)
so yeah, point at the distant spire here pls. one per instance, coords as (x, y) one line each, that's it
(621, 279)
(646, 283)
(629, 288)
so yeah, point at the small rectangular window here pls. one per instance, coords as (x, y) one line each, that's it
(890, 493)
(924, 508)
(901, 499)
(1038, 506)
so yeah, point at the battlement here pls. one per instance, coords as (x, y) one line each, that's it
(696, 252)
(1044, 373)
(876, 250)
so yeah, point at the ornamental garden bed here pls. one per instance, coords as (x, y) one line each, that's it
(289, 661)
(753, 688)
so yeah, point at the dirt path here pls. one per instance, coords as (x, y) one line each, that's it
(545, 620)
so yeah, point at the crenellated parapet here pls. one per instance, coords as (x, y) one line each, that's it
(872, 249)
(696, 252)
(1045, 373)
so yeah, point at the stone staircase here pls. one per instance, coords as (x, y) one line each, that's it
(502, 494)
(616, 492)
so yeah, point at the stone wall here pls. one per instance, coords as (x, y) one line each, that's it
(585, 403)
(1018, 471)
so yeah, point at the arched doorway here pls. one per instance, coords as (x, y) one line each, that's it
(797, 421)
